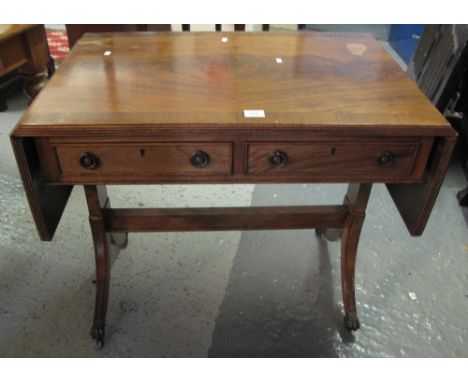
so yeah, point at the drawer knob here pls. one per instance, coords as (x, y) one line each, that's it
(278, 159)
(386, 159)
(200, 159)
(89, 161)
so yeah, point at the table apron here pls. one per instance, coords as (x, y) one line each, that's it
(325, 160)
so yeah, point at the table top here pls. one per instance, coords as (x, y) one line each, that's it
(10, 30)
(311, 79)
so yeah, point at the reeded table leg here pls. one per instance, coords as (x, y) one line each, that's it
(97, 199)
(356, 198)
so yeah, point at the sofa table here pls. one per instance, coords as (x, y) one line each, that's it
(166, 108)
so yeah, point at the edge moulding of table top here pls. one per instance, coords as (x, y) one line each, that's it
(167, 108)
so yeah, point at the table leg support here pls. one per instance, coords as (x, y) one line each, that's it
(105, 220)
(102, 242)
(356, 199)
(97, 199)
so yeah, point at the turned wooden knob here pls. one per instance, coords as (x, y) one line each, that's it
(386, 159)
(200, 159)
(278, 159)
(89, 161)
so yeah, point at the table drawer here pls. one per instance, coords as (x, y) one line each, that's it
(372, 159)
(144, 159)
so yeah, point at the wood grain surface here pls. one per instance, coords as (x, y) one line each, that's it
(163, 81)
(224, 218)
(153, 161)
(335, 106)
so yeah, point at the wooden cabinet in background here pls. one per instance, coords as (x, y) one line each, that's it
(24, 48)
(75, 31)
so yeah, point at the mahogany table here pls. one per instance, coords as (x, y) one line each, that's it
(160, 108)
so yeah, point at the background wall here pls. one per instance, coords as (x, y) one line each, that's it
(380, 31)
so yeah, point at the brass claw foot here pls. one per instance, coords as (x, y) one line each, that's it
(98, 334)
(351, 321)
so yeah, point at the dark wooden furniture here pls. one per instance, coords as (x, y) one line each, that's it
(440, 68)
(170, 108)
(10, 83)
(23, 47)
(76, 31)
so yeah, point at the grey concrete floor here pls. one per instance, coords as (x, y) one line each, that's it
(264, 293)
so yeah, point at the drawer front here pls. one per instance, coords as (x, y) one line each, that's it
(140, 160)
(371, 159)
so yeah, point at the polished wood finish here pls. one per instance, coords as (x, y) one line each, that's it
(145, 160)
(195, 80)
(76, 31)
(24, 47)
(356, 199)
(415, 202)
(98, 200)
(224, 219)
(98, 203)
(362, 159)
(45, 201)
(338, 109)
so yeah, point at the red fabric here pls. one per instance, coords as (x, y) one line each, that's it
(58, 44)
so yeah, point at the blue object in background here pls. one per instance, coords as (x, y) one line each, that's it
(404, 38)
